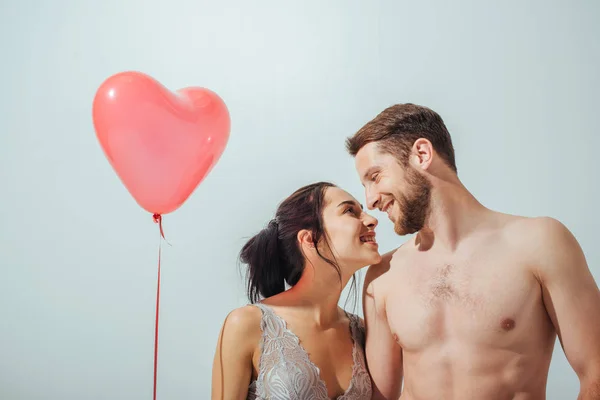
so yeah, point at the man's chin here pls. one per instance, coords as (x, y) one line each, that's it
(402, 230)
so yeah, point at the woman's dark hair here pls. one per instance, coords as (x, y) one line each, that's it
(274, 256)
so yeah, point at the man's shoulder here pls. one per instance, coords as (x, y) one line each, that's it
(539, 241)
(533, 230)
(375, 271)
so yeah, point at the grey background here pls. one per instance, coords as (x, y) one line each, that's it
(515, 81)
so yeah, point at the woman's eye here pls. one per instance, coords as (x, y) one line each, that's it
(349, 209)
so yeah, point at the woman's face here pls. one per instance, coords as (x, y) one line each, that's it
(350, 232)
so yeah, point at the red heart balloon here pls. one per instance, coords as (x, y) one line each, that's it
(161, 144)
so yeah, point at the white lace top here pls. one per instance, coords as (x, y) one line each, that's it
(286, 372)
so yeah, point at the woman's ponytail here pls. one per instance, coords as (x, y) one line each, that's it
(265, 274)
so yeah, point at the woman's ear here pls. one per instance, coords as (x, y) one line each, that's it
(305, 238)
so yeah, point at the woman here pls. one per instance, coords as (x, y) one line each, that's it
(297, 343)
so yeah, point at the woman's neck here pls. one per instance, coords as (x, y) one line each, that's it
(318, 293)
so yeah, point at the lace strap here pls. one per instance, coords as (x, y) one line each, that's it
(356, 329)
(263, 308)
(271, 325)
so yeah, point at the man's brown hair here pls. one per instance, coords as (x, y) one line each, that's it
(397, 128)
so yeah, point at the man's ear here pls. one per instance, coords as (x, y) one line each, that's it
(422, 154)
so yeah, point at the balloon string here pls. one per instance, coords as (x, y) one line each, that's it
(158, 220)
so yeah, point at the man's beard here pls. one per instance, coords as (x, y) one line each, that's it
(414, 205)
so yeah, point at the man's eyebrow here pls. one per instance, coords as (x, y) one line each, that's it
(370, 171)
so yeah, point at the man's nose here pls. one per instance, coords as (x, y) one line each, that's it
(372, 199)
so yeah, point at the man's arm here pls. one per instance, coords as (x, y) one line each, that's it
(572, 299)
(383, 354)
(232, 365)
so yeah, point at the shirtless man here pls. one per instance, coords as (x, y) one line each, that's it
(470, 307)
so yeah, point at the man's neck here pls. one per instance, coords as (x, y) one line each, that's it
(453, 215)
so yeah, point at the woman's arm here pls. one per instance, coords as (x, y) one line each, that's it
(232, 366)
